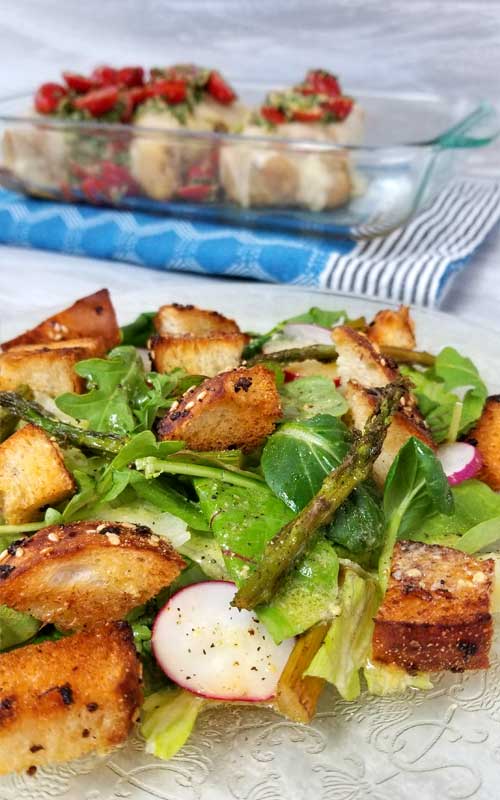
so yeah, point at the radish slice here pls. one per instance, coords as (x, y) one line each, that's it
(214, 650)
(460, 461)
(307, 333)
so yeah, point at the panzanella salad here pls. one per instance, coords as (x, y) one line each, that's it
(132, 133)
(254, 517)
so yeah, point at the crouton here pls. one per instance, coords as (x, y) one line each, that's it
(92, 316)
(360, 360)
(236, 409)
(486, 435)
(47, 368)
(179, 320)
(32, 475)
(406, 423)
(60, 700)
(393, 329)
(436, 611)
(198, 355)
(86, 572)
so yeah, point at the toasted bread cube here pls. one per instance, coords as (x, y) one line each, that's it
(32, 475)
(436, 611)
(393, 329)
(236, 409)
(198, 355)
(486, 435)
(406, 423)
(360, 360)
(92, 316)
(86, 572)
(47, 368)
(60, 700)
(179, 320)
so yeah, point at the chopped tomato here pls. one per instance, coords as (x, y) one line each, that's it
(203, 170)
(98, 101)
(308, 114)
(273, 115)
(337, 382)
(290, 375)
(340, 107)
(48, 97)
(138, 94)
(323, 82)
(115, 174)
(173, 91)
(196, 192)
(219, 89)
(105, 76)
(79, 83)
(130, 76)
(93, 188)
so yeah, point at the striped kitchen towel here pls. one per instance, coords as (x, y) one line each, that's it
(414, 264)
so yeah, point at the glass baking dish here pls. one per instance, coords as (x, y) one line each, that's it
(412, 145)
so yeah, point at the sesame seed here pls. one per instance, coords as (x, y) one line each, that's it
(202, 395)
(189, 390)
(154, 539)
(53, 537)
(19, 552)
(4, 554)
(413, 573)
(189, 405)
(174, 405)
(113, 538)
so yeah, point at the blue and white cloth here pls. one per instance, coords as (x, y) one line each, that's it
(414, 264)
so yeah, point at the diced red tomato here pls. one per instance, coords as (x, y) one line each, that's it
(273, 115)
(196, 192)
(308, 115)
(337, 382)
(220, 90)
(93, 188)
(48, 97)
(138, 94)
(115, 175)
(105, 76)
(130, 76)
(98, 101)
(323, 82)
(203, 170)
(340, 107)
(79, 83)
(290, 375)
(78, 171)
(173, 91)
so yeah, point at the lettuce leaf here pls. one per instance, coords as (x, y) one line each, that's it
(16, 627)
(168, 719)
(387, 679)
(306, 397)
(348, 641)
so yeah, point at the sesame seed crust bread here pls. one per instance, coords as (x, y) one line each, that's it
(32, 475)
(393, 329)
(360, 360)
(92, 316)
(78, 574)
(436, 612)
(60, 700)
(235, 409)
(486, 435)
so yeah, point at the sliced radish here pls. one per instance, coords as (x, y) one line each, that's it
(460, 461)
(214, 650)
(308, 333)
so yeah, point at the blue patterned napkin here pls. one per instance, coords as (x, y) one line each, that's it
(412, 265)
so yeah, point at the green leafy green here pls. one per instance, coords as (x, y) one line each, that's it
(307, 596)
(206, 553)
(16, 627)
(436, 395)
(481, 537)
(168, 719)
(297, 458)
(191, 465)
(348, 641)
(387, 679)
(139, 331)
(359, 524)
(315, 316)
(415, 488)
(307, 397)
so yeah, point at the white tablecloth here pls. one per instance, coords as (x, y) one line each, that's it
(450, 46)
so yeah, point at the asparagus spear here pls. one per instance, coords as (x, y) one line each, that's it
(293, 540)
(327, 352)
(28, 411)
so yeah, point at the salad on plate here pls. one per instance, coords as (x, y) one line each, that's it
(194, 515)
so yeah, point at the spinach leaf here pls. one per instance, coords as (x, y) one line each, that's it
(138, 332)
(298, 457)
(307, 397)
(474, 503)
(436, 395)
(415, 487)
(359, 524)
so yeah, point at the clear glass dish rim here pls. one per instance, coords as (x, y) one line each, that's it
(299, 145)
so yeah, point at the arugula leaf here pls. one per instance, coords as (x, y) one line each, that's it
(16, 627)
(113, 382)
(138, 332)
(415, 487)
(298, 457)
(307, 397)
(348, 641)
(434, 389)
